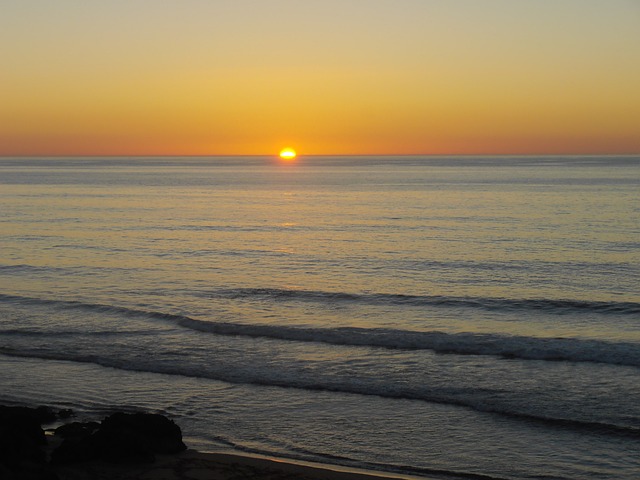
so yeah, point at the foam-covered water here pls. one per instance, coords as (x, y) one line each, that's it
(454, 317)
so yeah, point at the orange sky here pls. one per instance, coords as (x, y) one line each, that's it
(145, 77)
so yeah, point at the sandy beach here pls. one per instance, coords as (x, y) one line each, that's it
(192, 465)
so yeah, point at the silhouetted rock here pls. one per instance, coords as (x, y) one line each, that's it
(65, 413)
(38, 472)
(21, 436)
(156, 432)
(115, 445)
(21, 442)
(76, 429)
(120, 438)
(45, 414)
(75, 450)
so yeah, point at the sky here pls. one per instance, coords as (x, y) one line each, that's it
(329, 77)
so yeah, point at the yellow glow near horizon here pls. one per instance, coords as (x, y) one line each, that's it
(558, 77)
(288, 154)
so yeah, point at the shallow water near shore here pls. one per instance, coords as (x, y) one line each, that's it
(443, 316)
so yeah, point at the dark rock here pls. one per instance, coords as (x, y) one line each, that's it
(75, 450)
(21, 441)
(25, 421)
(65, 413)
(120, 438)
(21, 437)
(122, 446)
(78, 445)
(38, 472)
(39, 415)
(45, 414)
(156, 432)
(76, 429)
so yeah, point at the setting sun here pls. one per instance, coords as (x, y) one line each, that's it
(288, 154)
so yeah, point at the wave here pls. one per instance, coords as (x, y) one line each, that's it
(516, 347)
(547, 305)
(464, 343)
(477, 400)
(94, 307)
(556, 306)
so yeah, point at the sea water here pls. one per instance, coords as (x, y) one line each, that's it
(455, 317)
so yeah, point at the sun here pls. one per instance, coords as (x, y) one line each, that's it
(288, 154)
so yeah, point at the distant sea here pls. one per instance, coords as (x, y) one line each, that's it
(452, 317)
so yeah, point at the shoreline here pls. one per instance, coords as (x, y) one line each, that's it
(139, 446)
(195, 465)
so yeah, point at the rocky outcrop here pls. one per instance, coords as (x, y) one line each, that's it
(155, 432)
(21, 443)
(120, 438)
(76, 429)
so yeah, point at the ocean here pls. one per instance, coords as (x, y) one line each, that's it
(451, 317)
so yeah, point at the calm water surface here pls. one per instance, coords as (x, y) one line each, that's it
(445, 316)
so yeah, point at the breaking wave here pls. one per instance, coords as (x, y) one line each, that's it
(464, 343)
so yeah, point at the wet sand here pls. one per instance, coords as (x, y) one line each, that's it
(192, 465)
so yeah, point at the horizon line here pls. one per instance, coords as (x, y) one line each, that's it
(75, 155)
